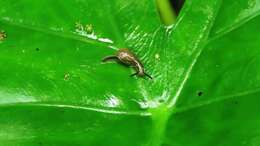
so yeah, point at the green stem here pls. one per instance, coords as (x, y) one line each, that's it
(160, 118)
(168, 16)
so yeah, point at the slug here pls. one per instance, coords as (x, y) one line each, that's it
(128, 58)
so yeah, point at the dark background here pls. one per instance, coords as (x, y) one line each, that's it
(177, 4)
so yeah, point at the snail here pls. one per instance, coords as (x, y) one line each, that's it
(128, 58)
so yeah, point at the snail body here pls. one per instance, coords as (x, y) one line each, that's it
(128, 58)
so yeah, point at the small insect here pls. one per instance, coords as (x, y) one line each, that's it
(3, 35)
(128, 58)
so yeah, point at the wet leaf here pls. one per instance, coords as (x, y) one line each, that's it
(54, 90)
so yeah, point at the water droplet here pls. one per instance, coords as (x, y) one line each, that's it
(106, 40)
(143, 105)
(114, 48)
(112, 101)
(157, 56)
(88, 32)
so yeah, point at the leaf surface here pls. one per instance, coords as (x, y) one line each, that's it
(54, 90)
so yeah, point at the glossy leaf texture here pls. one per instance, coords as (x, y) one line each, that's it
(54, 90)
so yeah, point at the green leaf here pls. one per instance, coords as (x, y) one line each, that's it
(54, 90)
